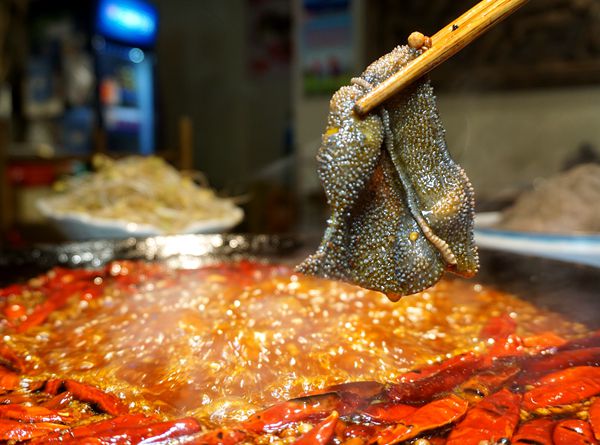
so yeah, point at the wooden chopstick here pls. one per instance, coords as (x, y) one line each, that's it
(445, 43)
(464, 19)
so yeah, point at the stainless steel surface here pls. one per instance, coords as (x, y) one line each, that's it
(178, 251)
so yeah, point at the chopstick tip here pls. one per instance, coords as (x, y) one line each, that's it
(360, 109)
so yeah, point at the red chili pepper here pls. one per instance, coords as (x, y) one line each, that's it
(388, 412)
(53, 386)
(498, 327)
(14, 311)
(492, 419)
(17, 431)
(594, 414)
(589, 341)
(500, 334)
(59, 401)
(162, 432)
(12, 359)
(543, 341)
(16, 397)
(283, 414)
(564, 387)
(8, 379)
(536, 431)
(125, 421)
(29, 413)
(485, 382)
(320, 434)
(39, 315)
(427, 371)
(431, 416)
(442, 380)
(13, 289)
(503, 347)
(361, 431)
(573, 432)
(106, 402)
(541, 364)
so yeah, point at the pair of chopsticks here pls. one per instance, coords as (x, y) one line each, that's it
(444, 44)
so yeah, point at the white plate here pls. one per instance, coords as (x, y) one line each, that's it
(584, 249)
(81, 226)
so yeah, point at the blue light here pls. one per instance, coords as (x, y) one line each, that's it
(129, 21)
(136, 55)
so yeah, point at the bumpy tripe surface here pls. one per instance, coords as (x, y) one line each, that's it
(402, 209)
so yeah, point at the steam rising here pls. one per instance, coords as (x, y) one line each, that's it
(220, 342)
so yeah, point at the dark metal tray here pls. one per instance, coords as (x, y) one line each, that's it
(568, 288)
(180, 250)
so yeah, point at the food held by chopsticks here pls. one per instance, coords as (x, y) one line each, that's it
(402, 208)
(142, 190)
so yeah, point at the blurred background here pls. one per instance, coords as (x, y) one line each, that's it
(239, 90)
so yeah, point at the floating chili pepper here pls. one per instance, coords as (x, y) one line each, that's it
(487, 381)
(322, 433)
(17, 431)
(492, 419)
(431, 416)
(53, 386)
(498, 327)
(161, 432)
(536, 431)
(594, 414)
(29, 413)
(127, 421)
(388, 412)
(284, 414)
(106, 402)
(573, 432)
(443, 380)
(535, 366)
(543, 341)
(8, 379)
(449, 364)
(59, 401)
(39, 315)
(563, 388)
